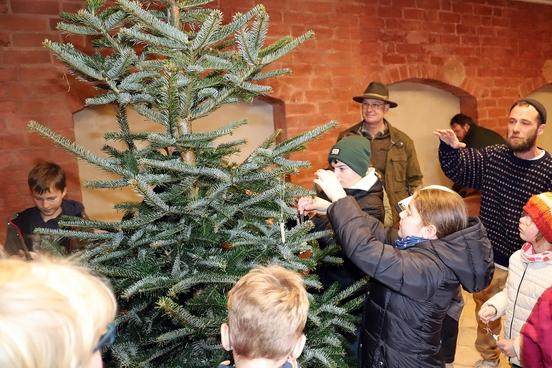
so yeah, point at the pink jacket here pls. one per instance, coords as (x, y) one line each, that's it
(536, 348)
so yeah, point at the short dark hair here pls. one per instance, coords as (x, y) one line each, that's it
(462, 120)
(44, 176)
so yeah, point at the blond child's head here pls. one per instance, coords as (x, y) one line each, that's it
(52, 314)
(432, 213)
(267, 312)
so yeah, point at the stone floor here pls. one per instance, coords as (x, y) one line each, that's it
(466, 354)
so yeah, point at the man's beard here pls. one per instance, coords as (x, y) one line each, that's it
(523, 146)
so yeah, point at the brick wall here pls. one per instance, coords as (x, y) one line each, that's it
(486, 52)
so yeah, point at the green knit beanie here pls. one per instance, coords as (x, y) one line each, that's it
(353, 151)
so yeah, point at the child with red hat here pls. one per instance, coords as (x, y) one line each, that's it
(529, 275)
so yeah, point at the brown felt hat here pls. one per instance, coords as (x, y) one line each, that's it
(376, 91)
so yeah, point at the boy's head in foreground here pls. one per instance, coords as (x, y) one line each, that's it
(267, 312)
(432, 213)
(47, 184)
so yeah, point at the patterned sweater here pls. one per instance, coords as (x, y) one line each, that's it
(506, 183)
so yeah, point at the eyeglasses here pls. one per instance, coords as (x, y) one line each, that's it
(402, 205)
(490, 332)
(108, 338)
(373, 106)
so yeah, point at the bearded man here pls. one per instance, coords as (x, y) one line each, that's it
(507, 175)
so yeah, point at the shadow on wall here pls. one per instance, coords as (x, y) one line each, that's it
(544, 96)
(93, 122)
(422, 109)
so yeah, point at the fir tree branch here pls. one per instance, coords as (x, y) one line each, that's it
(208, 28)
(107, 165)
(151, 21)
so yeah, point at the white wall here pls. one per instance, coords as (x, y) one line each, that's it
(421, 110)
(93, 122)
(544, 96)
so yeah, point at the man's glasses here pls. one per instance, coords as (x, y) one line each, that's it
(108, 338)
(373, 106)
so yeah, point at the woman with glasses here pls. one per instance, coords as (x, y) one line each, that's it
(53, 314)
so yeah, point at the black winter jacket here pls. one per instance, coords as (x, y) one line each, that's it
(370, 202)
(411, 289)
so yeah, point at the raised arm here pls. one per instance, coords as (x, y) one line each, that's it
(464, 166)
(362, 238)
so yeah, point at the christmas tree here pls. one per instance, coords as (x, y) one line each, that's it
(203, 221)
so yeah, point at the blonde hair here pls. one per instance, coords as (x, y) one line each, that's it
(52, 314)
(267, 312)
(443, 209)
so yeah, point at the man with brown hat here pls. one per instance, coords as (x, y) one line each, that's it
(393, 153)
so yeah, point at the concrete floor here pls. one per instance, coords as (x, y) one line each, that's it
(466, 355)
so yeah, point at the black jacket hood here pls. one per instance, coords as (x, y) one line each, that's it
(476, 252)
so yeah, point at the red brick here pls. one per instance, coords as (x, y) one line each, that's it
(428, 4)
(35, 7)
(26, 56)
(40, 72)
(446, 5)
(393, 59)
(10, 141)
(481, 9)
(75, 7)
(27, 23)
(52, 23)
(462, 7)
(449, 17)
(4, 39)
(414, 14)
(32, 39)
(295, 109)
(404, 3)
(7, 107)
(388, 11)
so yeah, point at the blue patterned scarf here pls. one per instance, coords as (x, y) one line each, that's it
(408, 241)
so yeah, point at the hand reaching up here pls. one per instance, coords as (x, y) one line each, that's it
(448, 136)
(327, 180)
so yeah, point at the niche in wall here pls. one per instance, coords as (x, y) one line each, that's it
(92, 122)
(422, 109)
(544, 96)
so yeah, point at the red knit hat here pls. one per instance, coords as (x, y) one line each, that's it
(539, 208)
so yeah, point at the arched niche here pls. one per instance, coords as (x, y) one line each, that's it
(264, 115)
(544, 96)
(423, 106)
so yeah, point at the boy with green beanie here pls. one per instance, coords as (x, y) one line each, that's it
(350, 160)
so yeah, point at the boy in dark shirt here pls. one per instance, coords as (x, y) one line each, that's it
(47, 185)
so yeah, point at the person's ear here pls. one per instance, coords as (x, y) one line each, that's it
(429, 231)
(225, 337)
(540, 129)
(298, 347)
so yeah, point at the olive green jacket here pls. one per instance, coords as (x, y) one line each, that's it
(402, 170)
